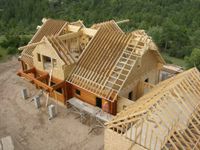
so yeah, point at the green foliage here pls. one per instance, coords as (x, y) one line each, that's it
(173, 60)
(156, 33)
(173, 24)
(12, 42)
(194, 59)
(11, 50)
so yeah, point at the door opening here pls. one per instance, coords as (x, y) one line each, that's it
(99, 102)
(130, 95)
(146, 80)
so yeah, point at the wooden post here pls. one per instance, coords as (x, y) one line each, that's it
(140, 89)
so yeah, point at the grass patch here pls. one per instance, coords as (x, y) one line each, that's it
(174, 60)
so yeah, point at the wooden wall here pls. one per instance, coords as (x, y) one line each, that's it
(149, 68)
(46, 49)
(91, 99)
(115, 141)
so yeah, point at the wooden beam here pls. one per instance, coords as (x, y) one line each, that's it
(35, 81)
(32, 70)
(148, 85)
(31, 45)
(89, 32)
(69, 36)
(73, 28)
(42, 77)
(58, 85)
(123, 21)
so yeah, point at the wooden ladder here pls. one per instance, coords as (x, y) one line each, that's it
(123, 68)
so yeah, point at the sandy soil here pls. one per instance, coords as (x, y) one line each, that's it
(30, 128)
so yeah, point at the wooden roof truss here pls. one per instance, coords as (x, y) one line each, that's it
(61, 50)
(50, 27)
(59, 34)
(109, 25)
(103, 75)
(166, 118)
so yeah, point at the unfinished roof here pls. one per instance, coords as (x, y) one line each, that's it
(97, 61)
(109, 25)
(171, 68)
(61, 49)
(108, 60)
(168, 117)
(49, 28)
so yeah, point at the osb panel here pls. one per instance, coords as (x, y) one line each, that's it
(131, 87)
(122, 103)
(114, 141)
(47, 50)
(149, 69)
(149, 64)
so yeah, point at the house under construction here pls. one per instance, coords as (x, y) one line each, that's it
(100, 65)
(168, 118)
(119, 73)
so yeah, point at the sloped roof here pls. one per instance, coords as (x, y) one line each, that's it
(98, 59)
(49, 28)
(61, 49)
(108, 60)
(110, 25)
(167, 117)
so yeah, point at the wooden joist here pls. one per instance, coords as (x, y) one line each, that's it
(31, 73)
(59, 85)
(123, 21)
(148, 85)
(36, 81)
(32, 45)
(69, 36)
(42, 77)
(50, 27)
(94, 61)
(172, 115)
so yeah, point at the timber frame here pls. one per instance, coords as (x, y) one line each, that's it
(41, 79)
(168, 117)
(98, 60)
(105, 73)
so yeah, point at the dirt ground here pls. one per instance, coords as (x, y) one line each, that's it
(30, 128)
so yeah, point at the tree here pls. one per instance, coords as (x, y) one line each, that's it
(194, 59)
(156, 33)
